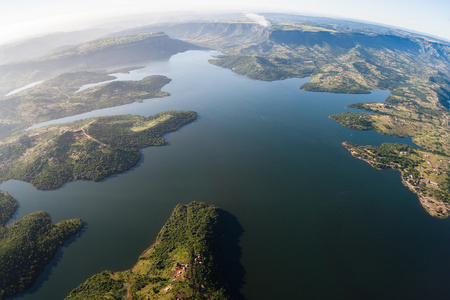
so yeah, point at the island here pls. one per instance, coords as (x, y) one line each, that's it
(184, 262)
(27, 245)
(91, 149)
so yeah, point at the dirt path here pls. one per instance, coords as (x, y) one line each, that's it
(89, 136)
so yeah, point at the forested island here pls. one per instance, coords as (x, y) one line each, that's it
(27, 245)
(184, 262)
(91, 149)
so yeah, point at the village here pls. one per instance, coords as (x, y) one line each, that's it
(180, 271)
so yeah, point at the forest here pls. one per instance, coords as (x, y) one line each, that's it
(27, 245)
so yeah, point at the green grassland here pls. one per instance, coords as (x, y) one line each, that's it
(58, 97)
(190, 238)
(91, 149)
(27, 245)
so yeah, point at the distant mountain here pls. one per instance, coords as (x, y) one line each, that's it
(213, 35)
(39, 46)
(102, 53)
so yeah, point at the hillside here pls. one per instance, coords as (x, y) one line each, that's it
(91, 149)
(59, 97)
(184, 262)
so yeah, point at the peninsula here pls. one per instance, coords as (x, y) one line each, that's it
(91, 149)
(184, 262)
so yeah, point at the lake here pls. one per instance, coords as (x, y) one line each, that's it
(318, 223)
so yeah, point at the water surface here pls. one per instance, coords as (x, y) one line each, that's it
(318, 223)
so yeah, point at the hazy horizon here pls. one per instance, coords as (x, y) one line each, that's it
(27, 19)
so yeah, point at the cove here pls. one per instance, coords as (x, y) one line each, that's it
(318, 223)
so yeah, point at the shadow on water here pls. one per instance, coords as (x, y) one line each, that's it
(47, 272)
(231, 254)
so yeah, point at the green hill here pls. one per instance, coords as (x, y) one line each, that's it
(91, 149)
(184, 262)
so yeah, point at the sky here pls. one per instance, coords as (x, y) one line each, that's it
(21, 18)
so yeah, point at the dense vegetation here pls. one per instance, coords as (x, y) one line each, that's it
(91, 149)
(8, 206)
(28, 245)
(58, 97)
(191, 240)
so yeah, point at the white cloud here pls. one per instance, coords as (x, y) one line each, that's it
(258, 19)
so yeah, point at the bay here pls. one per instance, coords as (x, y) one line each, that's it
(318, 224)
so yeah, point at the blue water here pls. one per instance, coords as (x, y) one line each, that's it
(318, 224)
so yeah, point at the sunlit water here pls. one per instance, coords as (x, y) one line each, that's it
(30, 85)
(318, 223)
